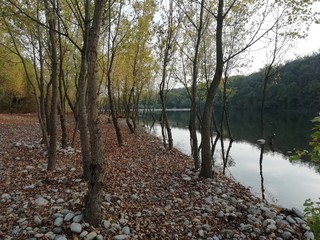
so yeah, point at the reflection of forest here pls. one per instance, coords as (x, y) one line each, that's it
(292, 129)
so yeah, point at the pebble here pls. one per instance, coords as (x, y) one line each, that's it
(125, 230)
(58, 221)
(37, 220)
(297, 212)
(40, 201)
(106, 224)
(77, 218)
(120, 237)
(90, 236)
(69, 217)
(76, 227)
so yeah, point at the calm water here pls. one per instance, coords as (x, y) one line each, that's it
(287, 184)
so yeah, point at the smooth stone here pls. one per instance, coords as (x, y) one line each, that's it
(126, 230)
(57, 230)
(309, 235)
(57, 215)
(58, 221)
(106, 224)
(37, 220)
(201, 233)
(245, 227)
(69, 216)
(6, 196)
(290, 220)
(61, 238)
(50, 235)
(271, 228)
(76, 227)
(77, 218)
(90, 236)
(120, 237)
(64, 212)
(40, 201)
(297, 212)
(220, 214)
(115, 226)
(99, 237)
(286, 235)
(83, 234)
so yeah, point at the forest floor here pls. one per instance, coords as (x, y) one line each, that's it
(150, 193)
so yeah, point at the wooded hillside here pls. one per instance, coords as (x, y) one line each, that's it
(296, 86)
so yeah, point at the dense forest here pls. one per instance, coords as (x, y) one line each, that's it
(295, 86)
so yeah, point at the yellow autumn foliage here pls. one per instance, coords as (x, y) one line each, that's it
(12, 74)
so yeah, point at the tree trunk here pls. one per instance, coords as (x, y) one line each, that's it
(81, 103)
(206, 164)
(54, 87)
(193, 109)
(93, 199)
(113, 111)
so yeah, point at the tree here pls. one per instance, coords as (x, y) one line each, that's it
(93, 199)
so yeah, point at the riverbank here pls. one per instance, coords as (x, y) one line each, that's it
(150, 193)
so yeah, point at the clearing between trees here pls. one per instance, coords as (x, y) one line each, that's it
(150, 193)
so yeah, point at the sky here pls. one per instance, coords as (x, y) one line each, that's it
(301, 47)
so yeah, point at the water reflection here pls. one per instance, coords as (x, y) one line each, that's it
(265, 168)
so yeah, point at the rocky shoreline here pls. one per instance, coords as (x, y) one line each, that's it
(150, 193)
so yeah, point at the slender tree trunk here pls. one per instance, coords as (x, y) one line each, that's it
(54, 82)
(111, 51)
(193, 109)
(112, 108)
(61, 105)
(93, 199)
(82, 103)
(206, 164)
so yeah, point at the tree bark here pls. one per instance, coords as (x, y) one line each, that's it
(81, 103)
(50, 14)
(93, 199)
(206, 164)
(193, 109)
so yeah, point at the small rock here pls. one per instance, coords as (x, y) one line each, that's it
(297, 212)
(69, 216)
(58, 221)
(125, 230)
(6, 196)
(37, 220)
(107, 197)
(83, 234)
(61, 238)
(41, 201)
(286, 235)
(271, 228)
(106, 224)
(50, 235)
(220, 214)
(90, 236)
(290, 220)
(309, 235)
(57, 230)
(99, 237)
(245, 227)
(76, 227)
(77, 218)
(201, 233)
(185, 177)
(120, 237)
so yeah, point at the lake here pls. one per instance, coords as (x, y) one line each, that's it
(286, 184)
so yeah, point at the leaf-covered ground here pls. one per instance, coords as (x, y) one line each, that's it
(150, 192)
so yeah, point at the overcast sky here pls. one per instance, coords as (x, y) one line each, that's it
(300, 48)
